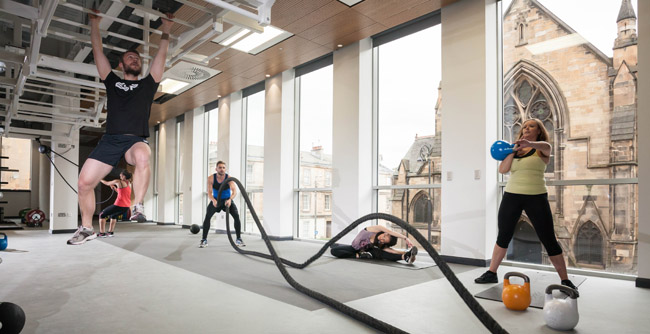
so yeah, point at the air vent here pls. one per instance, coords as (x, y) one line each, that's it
(190, 73)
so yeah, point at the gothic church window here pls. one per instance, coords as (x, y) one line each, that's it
(527, 100)
(589, 245)
(521, 32)
(422, 210)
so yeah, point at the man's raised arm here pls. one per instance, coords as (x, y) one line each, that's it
(158, 64)
(103, 66)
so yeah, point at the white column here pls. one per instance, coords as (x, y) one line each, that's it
(44, 184)
(191, 154)
(643, 119)
(149, 196)
(166, 171)
(64, 203)
(36, 178)
(470, 92)
(193, 198)
(230, 143)
(278, 155)
(352, 136)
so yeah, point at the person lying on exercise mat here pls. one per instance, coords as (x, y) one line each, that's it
(375, 242)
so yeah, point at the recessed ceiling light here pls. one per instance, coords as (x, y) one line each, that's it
(340, 45)
(268, 75)
(218, 96)
(170, 86)
(235, 37)
(254, 42)
(158, 122)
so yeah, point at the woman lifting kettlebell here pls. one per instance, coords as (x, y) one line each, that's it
(526, 191)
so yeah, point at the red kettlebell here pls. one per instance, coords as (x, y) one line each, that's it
(516, 297)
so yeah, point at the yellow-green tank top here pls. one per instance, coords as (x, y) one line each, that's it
(527, 176)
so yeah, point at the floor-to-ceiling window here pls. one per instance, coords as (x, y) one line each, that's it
(407, 127)
(179, 166)
(314, 114)
(254, 181)
(576, 73)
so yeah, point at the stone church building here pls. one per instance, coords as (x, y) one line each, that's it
(587, 102)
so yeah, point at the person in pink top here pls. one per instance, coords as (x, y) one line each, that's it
(121, 206)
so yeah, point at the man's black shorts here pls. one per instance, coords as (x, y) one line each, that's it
(111, 148)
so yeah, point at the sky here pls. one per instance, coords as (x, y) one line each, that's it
(409, 75)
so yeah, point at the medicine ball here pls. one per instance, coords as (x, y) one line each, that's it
(12, 318)
(195, 228)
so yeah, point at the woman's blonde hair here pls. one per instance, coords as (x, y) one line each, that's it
(543, 134)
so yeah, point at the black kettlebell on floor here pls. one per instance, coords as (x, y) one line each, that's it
(12, 318)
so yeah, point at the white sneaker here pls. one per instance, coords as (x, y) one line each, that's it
(138, 213)
(82, 235)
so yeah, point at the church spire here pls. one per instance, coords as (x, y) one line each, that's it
(626, 23)
(626, 11)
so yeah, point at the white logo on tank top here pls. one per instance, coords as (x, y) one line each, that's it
(124, 87)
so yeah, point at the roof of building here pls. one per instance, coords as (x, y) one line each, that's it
(564, 26)
(422, 147)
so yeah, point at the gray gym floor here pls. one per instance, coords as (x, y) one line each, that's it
(155, 279)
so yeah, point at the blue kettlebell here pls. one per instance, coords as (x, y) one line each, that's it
(3, 242)
(501, 149)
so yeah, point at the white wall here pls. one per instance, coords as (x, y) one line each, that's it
(352, 136)
(469, 69)
(643, 119)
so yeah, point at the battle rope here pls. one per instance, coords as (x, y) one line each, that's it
(467, 297)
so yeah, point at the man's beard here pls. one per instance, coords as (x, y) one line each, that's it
(130, 71)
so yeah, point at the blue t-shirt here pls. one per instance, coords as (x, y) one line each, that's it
(215, 188)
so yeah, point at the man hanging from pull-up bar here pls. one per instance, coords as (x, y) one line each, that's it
(127, 125)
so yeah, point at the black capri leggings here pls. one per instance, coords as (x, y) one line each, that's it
(347, 251)
(539, 213)
(113, 212)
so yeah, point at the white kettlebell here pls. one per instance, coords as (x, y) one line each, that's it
(561, 314)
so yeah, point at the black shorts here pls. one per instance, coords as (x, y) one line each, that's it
(111, 148)
(113, 212)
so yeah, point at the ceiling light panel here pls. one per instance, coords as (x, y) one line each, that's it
(253, 43)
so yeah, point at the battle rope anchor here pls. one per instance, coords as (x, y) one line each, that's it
(467, 297)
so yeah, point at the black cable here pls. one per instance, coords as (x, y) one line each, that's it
(49, 149)
(467, 297)
(61, 175)
(66, 181)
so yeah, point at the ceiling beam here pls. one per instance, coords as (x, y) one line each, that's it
(18, 9)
